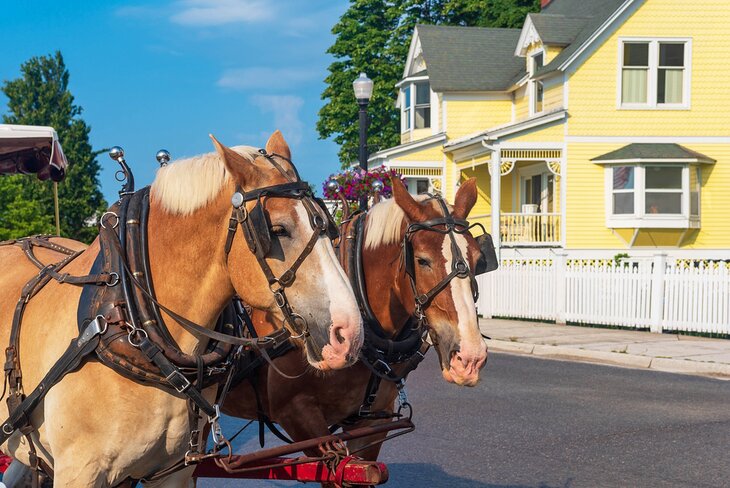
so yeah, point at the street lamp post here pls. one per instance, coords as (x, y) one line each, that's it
(363, 87)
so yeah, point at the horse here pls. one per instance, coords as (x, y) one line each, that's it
(96, 427)
(309, 405)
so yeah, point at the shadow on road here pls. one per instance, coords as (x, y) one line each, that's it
(424, 474)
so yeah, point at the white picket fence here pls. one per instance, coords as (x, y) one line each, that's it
(653, 294)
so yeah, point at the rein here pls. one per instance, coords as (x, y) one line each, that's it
(119, 316)
(381, 354)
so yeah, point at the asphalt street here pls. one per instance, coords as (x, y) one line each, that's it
(544, 423)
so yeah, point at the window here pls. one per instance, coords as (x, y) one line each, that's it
(416, 115)
(653, 195)
(654, 73)
(406, 118)
(623, 190)
(537, 88)
(423, 105)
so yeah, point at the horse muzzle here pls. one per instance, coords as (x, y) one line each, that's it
(345, 342)
(463, 368)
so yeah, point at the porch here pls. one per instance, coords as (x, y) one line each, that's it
(528, 189)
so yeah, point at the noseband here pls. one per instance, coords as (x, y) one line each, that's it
(255, 227)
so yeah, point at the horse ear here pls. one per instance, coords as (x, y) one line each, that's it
(236, 164)
(277, 145)
(466, 197)
(405, 201)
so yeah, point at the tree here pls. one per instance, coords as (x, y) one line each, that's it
(373, 36)
(363, 34)
(40, 96)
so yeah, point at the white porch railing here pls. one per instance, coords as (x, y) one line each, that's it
(658, 295)
(530, 229)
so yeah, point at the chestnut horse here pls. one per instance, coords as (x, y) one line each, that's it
(307, 408)
(98, 428)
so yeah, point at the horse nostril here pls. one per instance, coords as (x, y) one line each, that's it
(338, 336)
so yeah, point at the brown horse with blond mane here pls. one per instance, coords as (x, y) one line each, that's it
(96, 427)
(308, 407)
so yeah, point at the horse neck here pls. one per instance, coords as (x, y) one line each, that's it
(188, 265)
(389, 292)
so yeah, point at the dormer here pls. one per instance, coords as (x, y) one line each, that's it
(542, 38)
(416, 100)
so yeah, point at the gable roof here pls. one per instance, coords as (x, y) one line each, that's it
(653, 152)
(556, 29)
(594, 12)
(469, 58)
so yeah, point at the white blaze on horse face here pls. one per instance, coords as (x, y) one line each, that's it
(471, 353)
(331, 302)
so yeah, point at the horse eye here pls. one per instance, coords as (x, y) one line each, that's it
(423, 262)
(279, 231)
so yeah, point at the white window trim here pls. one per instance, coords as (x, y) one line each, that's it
(531, 84)
(651, 94)
(640, 219)
(411, 87)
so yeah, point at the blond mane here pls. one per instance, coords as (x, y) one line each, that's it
(188, 184)
(384, 223)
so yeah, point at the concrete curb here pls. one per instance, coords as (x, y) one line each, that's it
(718, 370)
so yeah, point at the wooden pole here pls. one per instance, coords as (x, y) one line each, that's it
(57, 212)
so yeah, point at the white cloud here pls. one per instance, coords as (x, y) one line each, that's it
(219, 12)
(285, 110)
(263, 77)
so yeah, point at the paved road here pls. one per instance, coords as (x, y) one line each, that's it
(543, 423)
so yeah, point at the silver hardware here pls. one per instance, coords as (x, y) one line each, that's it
(176, 373)
(333, 186)
(96, 327)
(6, 427)
(133, 330)
(237, 200)
(116, 153)
(102, 221)
(163, 157)
(378, 186)
(215, 427)
(402, 394)
(114, 279)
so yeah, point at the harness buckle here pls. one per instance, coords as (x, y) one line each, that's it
(386, 366)
(94, 328)
(178, 381)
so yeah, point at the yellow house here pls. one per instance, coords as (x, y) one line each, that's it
(599, 127)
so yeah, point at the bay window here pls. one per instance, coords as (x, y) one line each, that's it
(653, 195)
(654, 73)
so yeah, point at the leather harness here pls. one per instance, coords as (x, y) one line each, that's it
(120, 321)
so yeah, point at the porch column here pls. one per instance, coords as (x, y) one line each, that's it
(496, 183)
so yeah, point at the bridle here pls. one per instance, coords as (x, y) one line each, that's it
(459, 265)
(255, 227)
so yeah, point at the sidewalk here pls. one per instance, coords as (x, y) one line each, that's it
(632, 349)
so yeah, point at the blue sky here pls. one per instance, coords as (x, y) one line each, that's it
(165, 74)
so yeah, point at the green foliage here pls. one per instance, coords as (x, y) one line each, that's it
(40, 96)
(373, 36)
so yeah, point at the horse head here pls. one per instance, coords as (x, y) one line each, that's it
(434, 268)
(278, 255)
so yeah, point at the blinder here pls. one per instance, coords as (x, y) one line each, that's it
(487, 261)
(332, 231)
(257, 231)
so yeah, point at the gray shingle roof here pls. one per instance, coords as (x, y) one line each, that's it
(596, 13)
(558, 29)
(654, 152)
(470, 58)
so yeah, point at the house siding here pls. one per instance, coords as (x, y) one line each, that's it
(466, 116)
(594, 85)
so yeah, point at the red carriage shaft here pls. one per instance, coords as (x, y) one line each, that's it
(356, 472)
